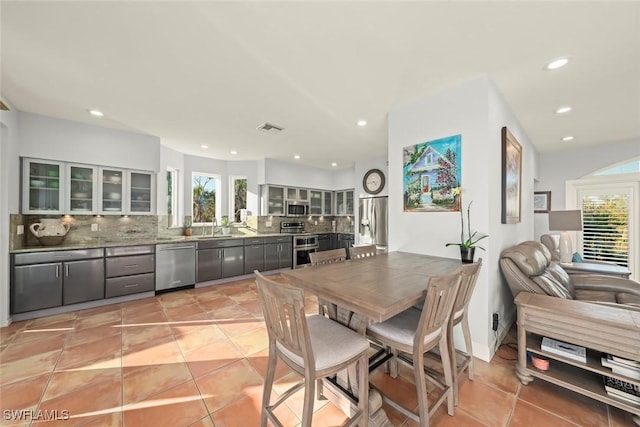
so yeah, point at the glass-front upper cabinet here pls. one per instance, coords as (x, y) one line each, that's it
(111, 191)
(82, 189)
(141, 194)
(41, 184)
(315, 203)
(327, 206)
(344, 202)
(273, 200)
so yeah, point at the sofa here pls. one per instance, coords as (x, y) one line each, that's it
(528, 267)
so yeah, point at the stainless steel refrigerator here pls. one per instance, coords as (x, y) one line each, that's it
(373, 222)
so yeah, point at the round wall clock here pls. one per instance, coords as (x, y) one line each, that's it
(373, 181)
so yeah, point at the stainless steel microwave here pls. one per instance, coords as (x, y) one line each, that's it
(297, 208)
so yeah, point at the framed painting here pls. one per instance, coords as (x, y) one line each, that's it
(511, 178)
(541, 201)
(431, 175)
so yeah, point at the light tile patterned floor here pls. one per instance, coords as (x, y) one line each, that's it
(198, 358)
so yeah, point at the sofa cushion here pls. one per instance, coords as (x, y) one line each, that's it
(550, 286)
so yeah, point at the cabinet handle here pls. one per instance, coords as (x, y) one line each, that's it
(131, 265)
(66, 270)
(57, 271)
(132, 285)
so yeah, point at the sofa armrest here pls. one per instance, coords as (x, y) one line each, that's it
(598, 282)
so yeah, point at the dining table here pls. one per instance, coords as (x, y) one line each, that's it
(372, 289)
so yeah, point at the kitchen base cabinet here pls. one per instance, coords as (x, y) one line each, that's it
(208, 264)
(53, 278)
(278, 253)
(35, 287)
(324, 242)
(233, 261)
(83, 281)
(129, 270)
(253, 255)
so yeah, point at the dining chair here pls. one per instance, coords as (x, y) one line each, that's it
(460, 316)
(315, 347)
(410, 334)
(357, 252)
(328, 257)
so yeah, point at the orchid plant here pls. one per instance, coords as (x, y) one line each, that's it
(474, 238)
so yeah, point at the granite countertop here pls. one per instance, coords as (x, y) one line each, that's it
(106, 243)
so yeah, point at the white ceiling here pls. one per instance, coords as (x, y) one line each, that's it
(196, 73)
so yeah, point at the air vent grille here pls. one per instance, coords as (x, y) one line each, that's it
(3, 106)
(270, 128)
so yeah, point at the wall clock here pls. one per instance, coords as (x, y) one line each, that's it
(373, 181)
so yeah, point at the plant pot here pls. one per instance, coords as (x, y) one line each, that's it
(187, 232)
(226, 231)
(466, 254)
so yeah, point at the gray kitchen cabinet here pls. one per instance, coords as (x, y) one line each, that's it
(42, 187)
(278, 252)
(344, 203)
(34, 287)
(53, 278)
(83, 281)
(315, 202)
(253, 254)
(273, 200)
(327, 203)
(218, 258)
(346, 241)
(129, 270)
(324, 242)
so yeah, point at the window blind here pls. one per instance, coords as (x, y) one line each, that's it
(605, 228)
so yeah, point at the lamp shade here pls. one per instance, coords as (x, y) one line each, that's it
(565, 220)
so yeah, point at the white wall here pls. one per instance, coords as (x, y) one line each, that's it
(251, 170)
(475, 110)
(169, 158)
(289, 174)
(55, 139)
(559, 167)
(9, 200)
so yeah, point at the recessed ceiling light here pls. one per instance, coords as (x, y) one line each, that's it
(362, 122)
(563, 110)
(334, 164)
(204, 146)
(96, 113)
(568, 138)
(296, 156)
(556, 63)
(234, 152)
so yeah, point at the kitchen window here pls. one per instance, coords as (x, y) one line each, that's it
(173, 205)
(205, 189)
(239, 199)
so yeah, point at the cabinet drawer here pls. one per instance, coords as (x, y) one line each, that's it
(129, 265)
(278, 239)
(119, 286)
(56, 256)
(219, 243)
(130, 250)
(254, 241)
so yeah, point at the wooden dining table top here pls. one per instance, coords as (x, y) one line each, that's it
(377, 287)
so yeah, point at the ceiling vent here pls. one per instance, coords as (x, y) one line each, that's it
(3, 106)
(269, 128)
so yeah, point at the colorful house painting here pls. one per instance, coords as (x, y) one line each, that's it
(432, 173)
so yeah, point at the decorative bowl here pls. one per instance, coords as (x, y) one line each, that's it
(37, 183)
(115, 196)
(51, 240)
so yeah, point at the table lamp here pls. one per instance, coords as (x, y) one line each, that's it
(565, 221)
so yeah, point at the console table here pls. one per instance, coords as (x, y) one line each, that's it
(596, 268)
(599, 328)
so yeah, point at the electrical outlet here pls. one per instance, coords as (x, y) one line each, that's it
(495, 319)
(20, 230)
(94, 227)
(268, 223)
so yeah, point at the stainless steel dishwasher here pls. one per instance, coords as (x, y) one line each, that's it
(175, 266)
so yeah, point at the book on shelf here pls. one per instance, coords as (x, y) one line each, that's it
(629, 398)
(570, 351)
(621, 387)
(624, 361)
(621, 368)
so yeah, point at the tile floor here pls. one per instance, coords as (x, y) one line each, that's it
(198, 358)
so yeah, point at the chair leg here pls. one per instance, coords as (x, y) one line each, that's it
(392, 364)
(363, 390)
(467, 343)
(421, 387)
(268, 383)
(454, 363)
(309, 395)
(448, 375)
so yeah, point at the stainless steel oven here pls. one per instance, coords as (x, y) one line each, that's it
(303, 243)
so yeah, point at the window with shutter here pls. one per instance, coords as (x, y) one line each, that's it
(605, 227)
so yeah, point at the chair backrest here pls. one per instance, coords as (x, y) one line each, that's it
(437, 308)
(357, 252)
(469, 277)
(552, 242)
(284, 316)
(527, 267)
(328, 257)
